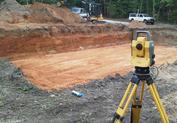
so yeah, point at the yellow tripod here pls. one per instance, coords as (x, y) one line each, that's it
(141, 76)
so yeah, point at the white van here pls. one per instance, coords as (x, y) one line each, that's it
(141, 17)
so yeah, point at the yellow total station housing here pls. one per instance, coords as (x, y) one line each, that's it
(142, 49)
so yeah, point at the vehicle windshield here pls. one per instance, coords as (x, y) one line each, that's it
(132, 15)
(146, 15)
(75, 10)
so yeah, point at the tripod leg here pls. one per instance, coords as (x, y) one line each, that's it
(119, 115)
(158, 103)
(137, 105)
(125, 95)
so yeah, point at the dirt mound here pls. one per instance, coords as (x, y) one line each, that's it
(12, 12)
(136, 24)
(42, 13)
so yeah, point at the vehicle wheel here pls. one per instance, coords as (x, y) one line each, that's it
(94, 21)
(152, 23)
(88, 18)
(132, 20)
(85, 18)
(145, 21)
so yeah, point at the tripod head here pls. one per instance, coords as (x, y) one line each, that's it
(142, 49)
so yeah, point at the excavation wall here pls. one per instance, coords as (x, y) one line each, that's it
(59, 38)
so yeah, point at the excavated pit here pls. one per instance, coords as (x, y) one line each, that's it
(57, 56)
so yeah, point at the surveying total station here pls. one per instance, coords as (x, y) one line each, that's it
(142, 57)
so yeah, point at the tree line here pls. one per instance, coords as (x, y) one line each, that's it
(162, 10)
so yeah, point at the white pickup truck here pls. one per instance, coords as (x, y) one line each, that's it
(81, 12)
(142, 18)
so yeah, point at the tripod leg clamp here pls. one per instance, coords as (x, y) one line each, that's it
(117, 117)
(136, 106)
(135, 79)
(149, 80)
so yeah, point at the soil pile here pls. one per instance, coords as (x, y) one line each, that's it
(12, 12)
(42, 13)
(136, 24)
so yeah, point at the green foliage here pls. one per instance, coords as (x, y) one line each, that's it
(117, 8)
(173, 17)
(1, 1)
(162, 10)
(24, 2)
(69, 2)
(112, 9)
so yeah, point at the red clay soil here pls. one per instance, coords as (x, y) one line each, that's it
(45, 45)
(63, 70)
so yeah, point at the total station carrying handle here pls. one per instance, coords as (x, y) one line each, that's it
(136, 34)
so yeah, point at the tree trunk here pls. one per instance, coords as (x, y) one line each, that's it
(153, 8)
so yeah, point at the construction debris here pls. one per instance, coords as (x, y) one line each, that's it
(78, 94)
